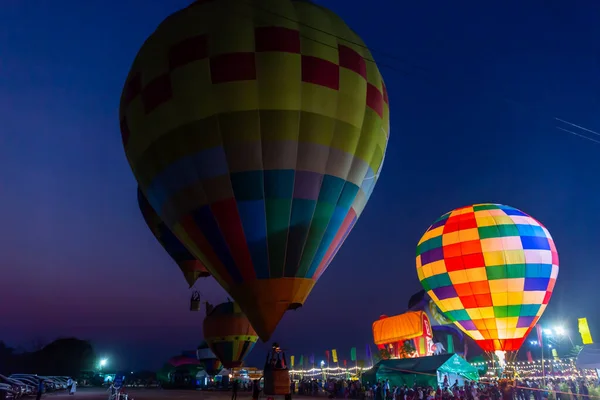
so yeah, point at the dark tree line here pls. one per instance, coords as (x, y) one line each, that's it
(63, 357)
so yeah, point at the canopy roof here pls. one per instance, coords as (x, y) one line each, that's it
(589, 357)
(444, 363)
(400, 327)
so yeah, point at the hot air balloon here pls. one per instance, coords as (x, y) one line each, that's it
(192, 269)
(257, 131)
(491, 269)
(228, 333)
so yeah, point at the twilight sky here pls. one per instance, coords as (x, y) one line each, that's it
(474, 89)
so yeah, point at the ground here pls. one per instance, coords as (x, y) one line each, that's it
(155, 394)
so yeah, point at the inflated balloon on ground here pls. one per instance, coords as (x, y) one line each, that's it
(491, 269)
(257, 130)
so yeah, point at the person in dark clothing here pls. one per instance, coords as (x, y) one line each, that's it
(40, 389)
(234, 390)
(255, 389)
(378, 392)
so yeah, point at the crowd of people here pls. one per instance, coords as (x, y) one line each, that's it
(503, 389)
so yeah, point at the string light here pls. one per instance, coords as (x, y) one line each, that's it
(532, 370)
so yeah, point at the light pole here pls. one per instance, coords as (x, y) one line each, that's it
(562, 332)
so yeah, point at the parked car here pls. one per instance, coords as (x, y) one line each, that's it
(8, 390)
(19, 388)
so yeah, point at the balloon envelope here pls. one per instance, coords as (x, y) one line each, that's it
(257, 131)
(192, 269)
(229, 334)
(492, 269)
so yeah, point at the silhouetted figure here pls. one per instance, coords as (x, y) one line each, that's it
(40, 389)
(234, 390)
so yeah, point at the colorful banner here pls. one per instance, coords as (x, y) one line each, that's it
(529, 357)
(539, 335)
(369, 355)
(584, 330)
(302, 360)
(353, 354)
(311, 359)
(292, 360)
(334, 355)
(450, 348)
(327, 356)
(345, 364)
(555, 354)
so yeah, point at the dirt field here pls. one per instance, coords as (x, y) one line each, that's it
(157, 394)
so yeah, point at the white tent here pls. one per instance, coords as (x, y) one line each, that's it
(201, 374)
(589, 357)
(205, 354)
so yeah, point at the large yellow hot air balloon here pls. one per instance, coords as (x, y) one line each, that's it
(491, 269)
(257, 130)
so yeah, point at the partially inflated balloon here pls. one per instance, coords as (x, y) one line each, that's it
(491, 269)
(229, 334)
(192, 269)
(257, 130)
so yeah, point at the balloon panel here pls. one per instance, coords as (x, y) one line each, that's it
(229, 334)
(192, 268)
(492, 269)
(258, 140)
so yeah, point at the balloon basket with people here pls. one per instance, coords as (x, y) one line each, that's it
(276, 374)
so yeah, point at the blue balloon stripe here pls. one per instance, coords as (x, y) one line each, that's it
(254, 223)
(185, 172)
(301, 217)
(205, 220)
(334, 225)
(338, 246)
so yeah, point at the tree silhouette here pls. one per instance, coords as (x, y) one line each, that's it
(66, 357)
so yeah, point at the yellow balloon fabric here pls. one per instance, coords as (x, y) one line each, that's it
(257, 130)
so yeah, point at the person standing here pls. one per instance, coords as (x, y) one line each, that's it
(234, 389)
(40, 389)
(73, 388)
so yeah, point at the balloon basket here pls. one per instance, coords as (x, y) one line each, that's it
(195, 302)
(277, 381)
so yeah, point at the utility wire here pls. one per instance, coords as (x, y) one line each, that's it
(403, 71)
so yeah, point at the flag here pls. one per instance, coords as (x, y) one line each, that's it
(334, 355)
(584, 330)
(450, 348)
(368, 354)
(539, 335)
(353, 354)
(466, 349)
(327, 355)
(344, 363)
(529, 357)
(311, 359)
(292, 361)
(302, 361)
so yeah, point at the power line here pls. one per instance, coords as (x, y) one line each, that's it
(406, 73)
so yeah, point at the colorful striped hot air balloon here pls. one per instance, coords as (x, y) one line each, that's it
(257, 130)
(229, 334)
(492, 269)
(192, 269)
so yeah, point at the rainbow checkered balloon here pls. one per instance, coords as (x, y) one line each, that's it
(491, 269)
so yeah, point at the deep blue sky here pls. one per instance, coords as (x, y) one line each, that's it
(474, 124)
